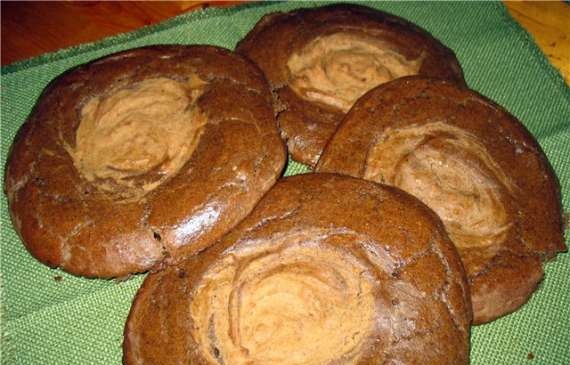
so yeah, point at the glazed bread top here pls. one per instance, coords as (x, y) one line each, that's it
(141, 156)
(339, 68)
(153, 125)
(475, 165)
(326, 269)
(320, 61)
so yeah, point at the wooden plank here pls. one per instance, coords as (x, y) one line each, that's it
(32, 28)
(549, 24)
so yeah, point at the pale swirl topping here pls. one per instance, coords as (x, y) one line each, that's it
(338, 69)
(451, 172)
(286, 303)
(135, 138)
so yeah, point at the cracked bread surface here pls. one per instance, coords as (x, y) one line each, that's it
(319, 61)
(475, 165)
(326, 269)
(142, 156)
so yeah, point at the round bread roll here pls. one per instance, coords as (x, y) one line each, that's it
(142, 155)
(475, 165)
(320, 61)
(327, 269)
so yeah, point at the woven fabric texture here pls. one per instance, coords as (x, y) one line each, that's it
(49, 317)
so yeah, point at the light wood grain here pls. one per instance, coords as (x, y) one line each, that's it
(549, 25)
(32, 28)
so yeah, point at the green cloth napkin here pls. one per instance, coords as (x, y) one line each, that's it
(49, 317)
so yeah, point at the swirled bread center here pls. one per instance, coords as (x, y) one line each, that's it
(134, 138)
(304, 304)
(339, 68)
(451, 172)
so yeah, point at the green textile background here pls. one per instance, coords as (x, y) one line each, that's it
(80, 321)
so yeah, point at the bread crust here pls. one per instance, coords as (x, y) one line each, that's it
(307, 125)
(66, 221)
(312, 238)
(512, 173)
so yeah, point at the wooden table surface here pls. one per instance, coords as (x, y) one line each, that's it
(32, 28)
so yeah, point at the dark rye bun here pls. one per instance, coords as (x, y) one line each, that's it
(319, 61)
(143, 155)
(475, 165)
(327, 269)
